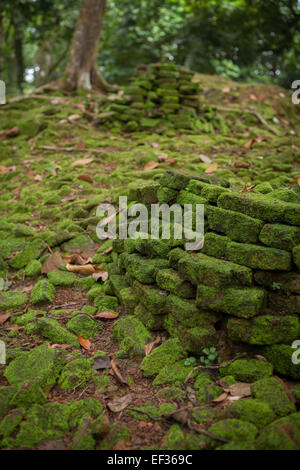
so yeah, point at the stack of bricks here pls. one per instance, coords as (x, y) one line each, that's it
(245, 281)
(156, 92)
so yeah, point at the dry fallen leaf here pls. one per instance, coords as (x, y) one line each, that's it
(226, 90)
(86, 178)
(3, 169)
(53, 262)
(85, 269)
(162, 157)
(85, 343)
(4, 317)
(75, 258)
(108, 315)
(109, 250)
(117, 372)
(119, 404)
(211, 168)
(12, 132)
(82, 161)
(221, 397)
(239, 389)
(150, 346)
(154, 145)
(61, 346)
(240, 164)
(204, 158)
(151, 165)
(100, 274)
(27, 289)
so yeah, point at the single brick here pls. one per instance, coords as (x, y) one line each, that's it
(258, 257)
(259, 206)
(170, 280)
(280, 236)
(243, 303)
(215, 245)
(199, 268)
(153, 298)
(296, 256)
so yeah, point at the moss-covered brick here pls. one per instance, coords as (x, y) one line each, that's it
(195, 339)
(237, 226)
(173, 374)
(170, 280)
(174, 440)
(175, 255)
(142, 269)
(84, 325)
(280, 355)
(43, 291)
(117, 284)
(145, 193)
(252, 411)
(210, 192)
(166, 195)
(258, 257)
(151, 297)
(214, 245)
(280, 236)
(281, 303)
(151, 321)
(264, 329)
(12, 299)
(132, 335)
(28, 317)
(243, 303)
(32, 251)
(187, 313)
(106, 302)
(295, 390)
(283, 434)
(128, 299)
(11, 422)
(271, 391)
(167, 353)
(85, 282)
(151, 409)
(185, 197)
(28, 394)
(199, 268)
(206, 389)
(57, 334)
(75, 374)
(292, 214)
(33, 268)
(296, 256)
(61, 278)
(235, 430)
(279, 282)
(258, 206)
(95, 291)
(153, 248)
(174, 180)
(41, 366)
(247, 370)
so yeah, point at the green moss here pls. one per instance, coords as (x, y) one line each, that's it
(170, 393)
(283, 434)
(106, 302)
(128, 299)
(236, 226)
(33, 268)
(152, 409)
(61, 278)
(117, 432)
(271, 391)
(263, 188)
(142, 269)
(196, 338)
(174, 374)
(94, 292)
(247, 370)
(200, 268)
(75, 374)
(150, 320)
(151, 297)
(32, 251)
(84, 325)
(234, 430)
(85, 282)
(296, 391)
(296, 256)
(11, 422)
(252, 411)
(258, 257)
(28, 394)
(264, 329)
(206, 389)
(169, 280)
(280, 355)
(43, 291)
(280, 236)
(12, 299)
(40, 366)
(174, 440)
(204, 415)
(52, 330)
(215, 245)
(186, 313)
(167, 353)
(285, 282)
(238, 302)
(131, 335)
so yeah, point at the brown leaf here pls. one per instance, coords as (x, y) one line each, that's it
(204, 158)
(85, 269)
(151, 165)
(253, 97)
(226, 90)
(85, 343)
(298, 180)
(109, 315)
(100, 274)
(119, 404)
(86, 178)
(240, 164)
(248, 190)
(75, 258)
(173, 161)
(239, 389)
(61, 346)
(150, 346)
(260, 358)
(221, 397)
(250, 142)
(109, 250)
(117, 372)
(211, 168)
(27, 289)
(154, 145)
(162, 157)
(12, 132)
(3, 169)
(4, 317)
(82, 161)
(53, 262)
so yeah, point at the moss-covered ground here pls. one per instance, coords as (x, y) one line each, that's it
(60, 157)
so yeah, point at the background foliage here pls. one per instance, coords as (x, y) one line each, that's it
(247, 40)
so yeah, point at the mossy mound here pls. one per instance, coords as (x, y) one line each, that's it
(166, 354)
(131, 335)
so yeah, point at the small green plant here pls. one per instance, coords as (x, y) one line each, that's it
(190, 361)
(276, 286)
(210, 355)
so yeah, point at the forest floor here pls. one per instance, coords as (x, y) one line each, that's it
(57, 164)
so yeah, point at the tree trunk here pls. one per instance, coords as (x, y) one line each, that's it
(18, 47)
(82, 70)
